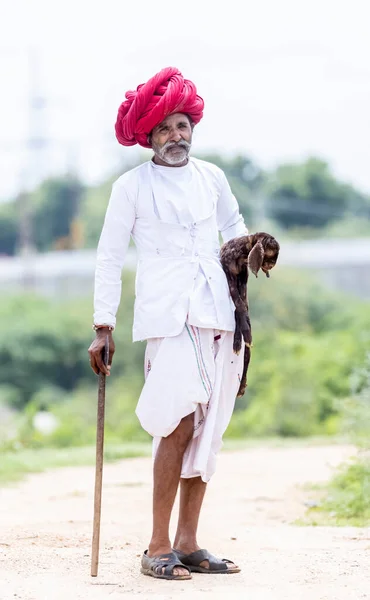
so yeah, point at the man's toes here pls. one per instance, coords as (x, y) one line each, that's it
(179, 572)
(205, 565)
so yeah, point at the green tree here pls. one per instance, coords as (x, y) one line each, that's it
(93, 206)
(8, 229)
(308, 195)
(245, 179)
(55, 206)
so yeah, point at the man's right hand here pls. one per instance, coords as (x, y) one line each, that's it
(96, 351)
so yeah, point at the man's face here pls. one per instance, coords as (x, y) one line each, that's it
(171, 139)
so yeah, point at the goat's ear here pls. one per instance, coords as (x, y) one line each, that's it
(255, 258)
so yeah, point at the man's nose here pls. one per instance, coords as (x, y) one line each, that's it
(176, 136)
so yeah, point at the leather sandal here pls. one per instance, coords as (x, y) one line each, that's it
(162, 566)
(216, 565)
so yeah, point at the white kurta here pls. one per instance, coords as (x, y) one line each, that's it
(174, 215)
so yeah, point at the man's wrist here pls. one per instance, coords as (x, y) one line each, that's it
(103, 326)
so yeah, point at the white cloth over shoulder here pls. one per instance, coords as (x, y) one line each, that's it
(194, 372)
(174, 215)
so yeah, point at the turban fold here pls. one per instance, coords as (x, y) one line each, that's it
(164, 94)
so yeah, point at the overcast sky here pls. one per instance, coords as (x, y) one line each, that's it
(281, 79)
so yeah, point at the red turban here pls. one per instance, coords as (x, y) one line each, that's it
(164, 94)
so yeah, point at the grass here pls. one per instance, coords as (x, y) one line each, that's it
(15, 465)
(345, 501)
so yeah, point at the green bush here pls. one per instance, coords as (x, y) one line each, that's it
(347, 496)
(356, 408)
(44, 343)
(347, 500)
(76, 417)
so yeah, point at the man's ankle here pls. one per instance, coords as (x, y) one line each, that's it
(159, 546)
(185, 544)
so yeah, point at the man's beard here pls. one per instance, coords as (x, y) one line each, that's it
(168, 154)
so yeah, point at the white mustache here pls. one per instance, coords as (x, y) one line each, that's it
(182, 144)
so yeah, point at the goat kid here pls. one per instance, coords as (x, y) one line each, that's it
(258, 251)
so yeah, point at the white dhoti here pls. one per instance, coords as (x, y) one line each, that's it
(193, 372)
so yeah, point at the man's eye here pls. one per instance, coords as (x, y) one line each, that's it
(163, 129)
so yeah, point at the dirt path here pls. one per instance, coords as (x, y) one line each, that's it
(45, 525)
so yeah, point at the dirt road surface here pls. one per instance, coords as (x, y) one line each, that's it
(255, 496)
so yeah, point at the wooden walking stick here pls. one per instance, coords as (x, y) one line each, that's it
(99, 465)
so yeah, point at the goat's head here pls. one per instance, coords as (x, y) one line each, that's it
(263, 254)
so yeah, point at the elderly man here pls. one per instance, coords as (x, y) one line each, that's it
(174, 207)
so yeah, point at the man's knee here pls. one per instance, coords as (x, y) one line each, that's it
(187, 423)
(184, 431)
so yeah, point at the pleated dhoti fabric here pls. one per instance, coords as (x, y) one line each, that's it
(193, 372)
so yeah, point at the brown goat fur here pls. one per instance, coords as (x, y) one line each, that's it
(258, 251)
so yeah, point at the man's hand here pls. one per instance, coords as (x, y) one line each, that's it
(96, 351)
